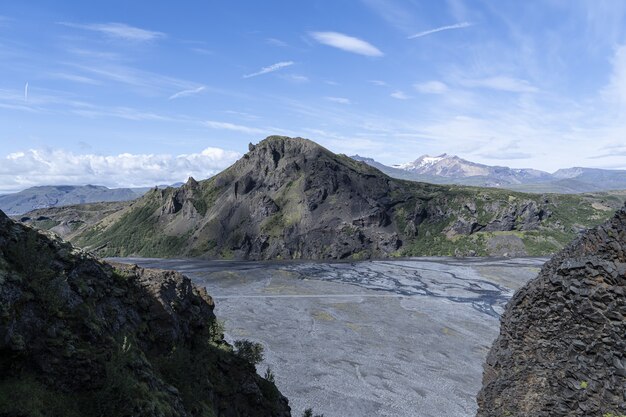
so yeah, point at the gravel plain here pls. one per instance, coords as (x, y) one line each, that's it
(402, 338)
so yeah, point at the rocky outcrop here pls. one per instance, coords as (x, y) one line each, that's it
(80, 337)
(562, 344)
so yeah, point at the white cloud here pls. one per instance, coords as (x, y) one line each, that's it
(616, 90)
(33, 167)
(340, 100)
(442, 28)
(378, 83)
(346, 43)
(400, 95)
(274, 67)
(119, 31)
(513, 85)
(186, 93)
(431, 87)
(231, 126)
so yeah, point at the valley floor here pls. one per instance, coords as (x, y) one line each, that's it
(401, 338)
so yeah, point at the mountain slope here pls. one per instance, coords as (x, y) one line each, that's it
(63, 195)
(289, 198)
(562, 347)
(80, 337)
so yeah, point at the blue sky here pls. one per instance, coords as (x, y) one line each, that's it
(137, 93)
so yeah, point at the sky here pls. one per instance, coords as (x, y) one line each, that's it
(138, 93)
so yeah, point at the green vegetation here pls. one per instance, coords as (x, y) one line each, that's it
(252, 352)
(269, 375)
(309, 413)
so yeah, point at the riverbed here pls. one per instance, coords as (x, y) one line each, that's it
(401, 338)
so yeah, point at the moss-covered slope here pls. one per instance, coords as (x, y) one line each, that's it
(80, 337)
(290, 198)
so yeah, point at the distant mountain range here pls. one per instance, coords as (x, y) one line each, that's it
(64, 195)
(450, 169)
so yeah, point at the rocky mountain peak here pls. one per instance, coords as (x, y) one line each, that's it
(561, 349)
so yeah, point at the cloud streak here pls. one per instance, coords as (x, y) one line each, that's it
(440, 29)
(400, 95)
(431, 87)
(33, 167)
(120, 31)
(346, 43)
(502, 83)
(186, 93)
(340, 100)
(271, 68)
(233, 127)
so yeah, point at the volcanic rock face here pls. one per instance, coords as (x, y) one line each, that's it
(562, 344)
(79, 337)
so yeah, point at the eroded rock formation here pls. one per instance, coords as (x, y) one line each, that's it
(562, 344)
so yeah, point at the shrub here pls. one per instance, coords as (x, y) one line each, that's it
(269, 375)
(250, 351)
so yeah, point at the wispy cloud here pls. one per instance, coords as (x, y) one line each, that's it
(276, 42)
(186, 93)
(233, 127)
(119, 31)
(378, 83)
(296, 78)
(615, 91)
(33, 167)
(440, 29)
(74, 78)
(201, 51)
(346, 43)
(340, 100)
(431, 87)
(148, 82)
(271, 68)
(400, 95)
(502, 83)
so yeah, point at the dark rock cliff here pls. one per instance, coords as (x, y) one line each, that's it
(562, 344)
(80, 337)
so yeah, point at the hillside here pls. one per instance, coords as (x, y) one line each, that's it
(69, 221)
(62, 195)
(80, 337)
(450, 169)
(561, 349)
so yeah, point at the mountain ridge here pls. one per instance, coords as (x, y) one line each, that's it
(290, 198)
(451, 169)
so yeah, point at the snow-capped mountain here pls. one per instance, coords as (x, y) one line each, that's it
(451, 169)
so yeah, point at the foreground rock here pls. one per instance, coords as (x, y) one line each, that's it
(562, 344)
(79, 337)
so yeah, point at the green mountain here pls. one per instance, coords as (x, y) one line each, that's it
(80, 337)
(289, 198)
